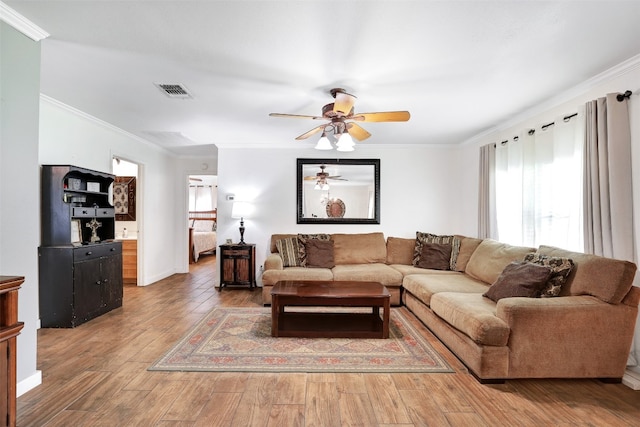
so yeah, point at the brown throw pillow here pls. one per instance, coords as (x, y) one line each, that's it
(436, 256)
(560, 270)
(519, 279)
(319, 253)
(303, 239)
(422, 238)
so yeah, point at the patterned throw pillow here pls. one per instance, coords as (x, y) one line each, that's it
(560, 270)
(422, 238)
(302, 239)
(289, 250)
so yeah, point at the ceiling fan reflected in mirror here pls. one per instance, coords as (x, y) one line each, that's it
(343, 121)
(322, 178)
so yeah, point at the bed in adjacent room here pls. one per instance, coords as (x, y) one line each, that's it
(202, 233)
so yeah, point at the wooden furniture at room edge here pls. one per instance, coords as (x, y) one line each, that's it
(238, 265)
(316, 324)
(10, 329)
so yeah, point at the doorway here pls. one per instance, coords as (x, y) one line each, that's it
(203, 217)
(126, 196)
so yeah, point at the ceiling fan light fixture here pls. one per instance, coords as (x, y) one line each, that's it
(324, 143)
(345, 143)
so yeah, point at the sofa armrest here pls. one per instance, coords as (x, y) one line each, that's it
(573, 336)
(273, 262)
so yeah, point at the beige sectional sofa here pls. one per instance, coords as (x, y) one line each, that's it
(586, 332)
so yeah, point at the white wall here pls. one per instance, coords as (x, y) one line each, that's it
(68, 136)
(417, 185)
(624, 77)
(20, 187)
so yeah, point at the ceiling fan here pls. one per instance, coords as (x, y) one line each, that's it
(323, 176)
(342, 118)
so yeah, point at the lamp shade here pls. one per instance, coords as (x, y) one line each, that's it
(241, 210)
(345, 143)
(324, 143)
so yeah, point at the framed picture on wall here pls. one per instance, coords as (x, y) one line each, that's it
(124, 198)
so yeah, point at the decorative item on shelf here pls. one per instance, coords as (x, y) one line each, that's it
(74, 183)
(94, 225)
(241, 210)
(76, 233)
(93, 187)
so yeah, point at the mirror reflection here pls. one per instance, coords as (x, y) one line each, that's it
(338, 191)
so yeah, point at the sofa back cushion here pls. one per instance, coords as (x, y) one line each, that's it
(604, 278)
(400, 250)
(491, 257)
(359, 248)
(468, 245)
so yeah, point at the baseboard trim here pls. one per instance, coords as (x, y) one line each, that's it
(631, 379)
(29, 383)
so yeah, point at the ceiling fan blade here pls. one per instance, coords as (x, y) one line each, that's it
(357, 132)
(383, 116)
(311, 132)
(344, 103)
(296, 116)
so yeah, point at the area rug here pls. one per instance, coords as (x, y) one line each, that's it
(239, 340)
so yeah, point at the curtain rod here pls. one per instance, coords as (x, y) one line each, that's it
(620, 97)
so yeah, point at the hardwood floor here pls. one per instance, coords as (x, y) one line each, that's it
(95, 375)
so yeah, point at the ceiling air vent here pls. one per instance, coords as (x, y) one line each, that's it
(174, 90)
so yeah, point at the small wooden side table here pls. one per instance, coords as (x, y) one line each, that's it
(9, 330)
(238, 265)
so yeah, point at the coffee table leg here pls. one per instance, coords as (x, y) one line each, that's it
(275, 313)
(385, 319)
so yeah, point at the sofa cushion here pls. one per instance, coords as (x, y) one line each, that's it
(605, 278)
(422, 238)
(424, 286)
(373, 272)
(467, 246)
(400, 250)
(491, 257)
(560, 269)
(319, 253)
(303, 239)
(289, 250)
(359, 248)
(519, 279)
(473, 315)
(410, 269)
(271, 277)
(436, 256)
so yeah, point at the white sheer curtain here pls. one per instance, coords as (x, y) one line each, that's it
(539, 186)
(201, 197)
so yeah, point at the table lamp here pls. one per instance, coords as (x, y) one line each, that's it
(241, 210)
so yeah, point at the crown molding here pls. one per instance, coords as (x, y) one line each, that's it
(612, 73)
(89, 117)
(21, 23)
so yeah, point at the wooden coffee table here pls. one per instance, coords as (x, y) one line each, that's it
(334, 324)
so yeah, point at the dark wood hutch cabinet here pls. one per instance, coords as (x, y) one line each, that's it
(80, 263)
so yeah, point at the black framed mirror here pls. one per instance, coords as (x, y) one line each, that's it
(338, 191)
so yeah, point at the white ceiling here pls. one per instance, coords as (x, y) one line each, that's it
(459, 67)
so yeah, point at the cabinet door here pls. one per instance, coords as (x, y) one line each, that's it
(87, 296)
(112, 280)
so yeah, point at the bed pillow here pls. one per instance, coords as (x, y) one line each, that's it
(519, 279)
(204, 225)
(435, 256)
(319, 253)
(289, 251)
